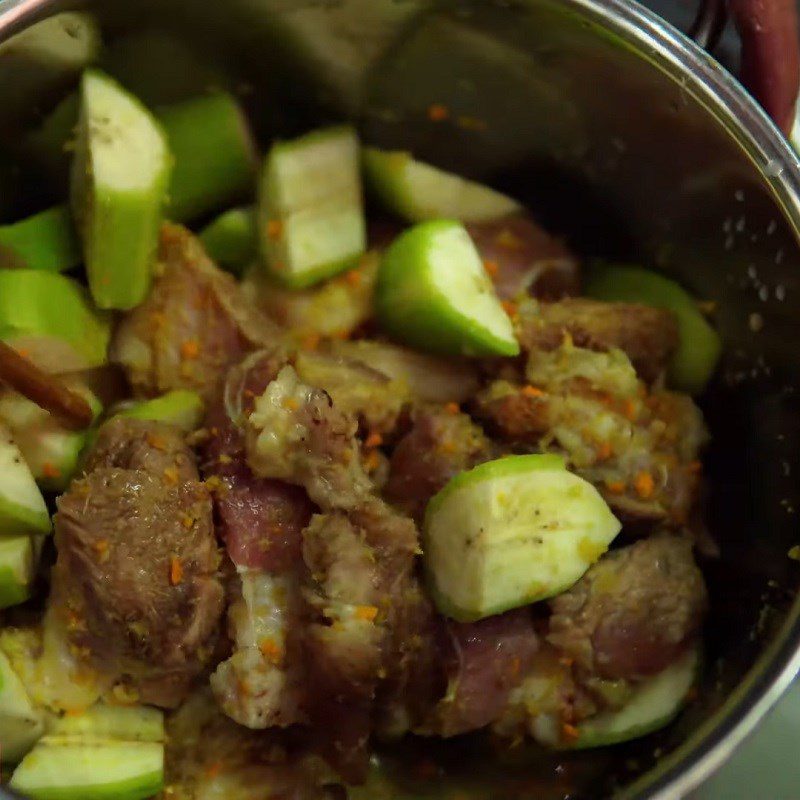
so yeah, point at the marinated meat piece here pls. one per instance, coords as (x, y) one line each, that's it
(370, 631)
(657, 478)
(209, 756)
(343, 640)
(523, 258)
(261, 684)
(358, 390)
(194, 324)
(548, 700)
(439, 445)
(244, 382)
(426, 378)
(136, 574)
(393, 539)
(367, 621)
(634, 612)
(296, 434)
(630, 617)
(639, 449)
(568, 366)
(260, 520)
(514, 413)
(334, 308)
(126, 443)
(414, 679)
(648, 336)
(484, 661)
(410, 679)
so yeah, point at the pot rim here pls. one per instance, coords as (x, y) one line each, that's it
(721, 94)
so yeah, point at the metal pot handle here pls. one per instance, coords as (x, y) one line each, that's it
(770, 49)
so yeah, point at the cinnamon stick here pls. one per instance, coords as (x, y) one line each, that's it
(44, 389)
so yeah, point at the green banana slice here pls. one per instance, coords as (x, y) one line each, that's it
(49, 319)
(433, 293)
(180, 407)
(211, 170)
(654, 704)
(102, 722)
(230, 239)
(45, 241)
(417, 191)
(120, 176)
(215, 155)
(700, 345)
(50, 450)
(21, 723)
(512, 532)
(310, 211)
(103, 752)
(42, 658)
(63, 769)
(22, 507)
(17, 571)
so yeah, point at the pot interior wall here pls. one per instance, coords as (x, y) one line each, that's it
(619, 157)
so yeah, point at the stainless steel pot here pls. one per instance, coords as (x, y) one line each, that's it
(632, 142)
